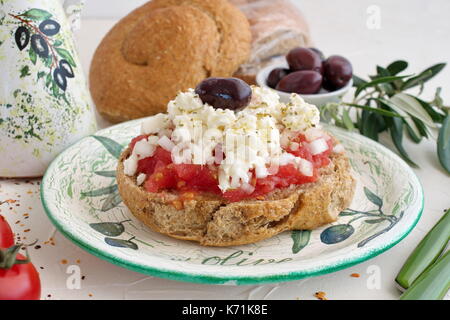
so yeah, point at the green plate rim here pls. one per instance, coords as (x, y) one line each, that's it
(236, 280)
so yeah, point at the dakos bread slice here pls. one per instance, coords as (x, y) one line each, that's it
(212, 221)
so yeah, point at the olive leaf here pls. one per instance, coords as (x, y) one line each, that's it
(112, 146)
(348, 213)
(376, 82)
(413, 134)
(120, 243)
(358, 82)
(48, 61)
(109, 174)
(434, 114)
(110, 229)
(112, 201)
(37, 14)
(65, 54)
(301, 239)
(396, 67)
(396, 131)
(100, 192)
(374, 221)
(336, 233)
(48, 80)
(376, 110)
(410, 105)
(443, 144)
(55, 89)
(424, 76)
(372, 197)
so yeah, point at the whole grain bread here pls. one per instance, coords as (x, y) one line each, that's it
(162, 48)
(211, 221)
(277, 27)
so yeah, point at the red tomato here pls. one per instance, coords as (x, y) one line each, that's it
(20, 282)
(6, 234)
(163, 178)
(163, 174)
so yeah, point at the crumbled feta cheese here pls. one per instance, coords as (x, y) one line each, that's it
(238, 142)
(155, 124)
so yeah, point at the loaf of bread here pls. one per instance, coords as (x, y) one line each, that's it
(164, 47)
(277, 27)
(211, 221)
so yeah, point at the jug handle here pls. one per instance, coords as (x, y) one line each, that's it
(73, 8)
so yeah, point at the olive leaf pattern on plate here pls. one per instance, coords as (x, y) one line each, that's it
(111, 192)
(38, 32)
(110, 229)
(340, 232)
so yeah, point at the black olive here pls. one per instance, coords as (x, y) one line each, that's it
(39, 45)
(224, 93)
(66, 68)
(60, 78)
(49, 27)
(22, 37)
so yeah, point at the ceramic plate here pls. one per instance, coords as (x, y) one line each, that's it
(79, 194)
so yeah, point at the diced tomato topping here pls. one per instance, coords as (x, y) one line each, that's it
(163, 178)
(162, 174)
(160, 158)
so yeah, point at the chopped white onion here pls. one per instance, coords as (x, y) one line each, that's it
(318, 146)
(305, 167)
(339, 148)
(261, 172)
(286, 158)
(143, 149)
(130, 165)
(313, 133)
(141, 178)
(294, 146)
(248, 188)
(166, 143)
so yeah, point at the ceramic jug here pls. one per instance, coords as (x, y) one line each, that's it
(45, 105)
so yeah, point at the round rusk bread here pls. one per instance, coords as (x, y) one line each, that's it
(162, 48)
(212, 221)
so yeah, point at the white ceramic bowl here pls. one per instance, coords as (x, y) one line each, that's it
(318, 99)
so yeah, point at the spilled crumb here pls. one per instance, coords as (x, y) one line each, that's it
(63, 261)
(320, 295)
(355, 275)
(90, 294)
(78, 261)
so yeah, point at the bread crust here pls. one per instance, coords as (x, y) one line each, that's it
(162, 48)
(211, 221)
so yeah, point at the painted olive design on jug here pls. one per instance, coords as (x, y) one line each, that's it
(49, 27)
(22, 37)
(41, 34)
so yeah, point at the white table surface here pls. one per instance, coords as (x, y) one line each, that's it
(417, 31)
